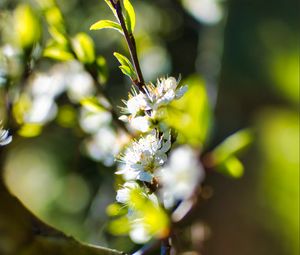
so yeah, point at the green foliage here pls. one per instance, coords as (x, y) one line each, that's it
(129, 16)
(191, 115)
(224, 155)
(27, 29)
(30, 130)
(102, 69)
(92, 104)
(83, 46)
(102, 24)
(57, 53)
(126, 66)
(278, 141)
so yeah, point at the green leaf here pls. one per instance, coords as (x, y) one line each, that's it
(83, 47)
(58, 54)
(30, 130)
(231, 167)
(126, 70)
(190, 116)
(26, 26)
(126, 66)
(102, 24)
(232, 145)
(129, 16)
(112, 8)
(102, 69)
(119, 226)
(92, 104)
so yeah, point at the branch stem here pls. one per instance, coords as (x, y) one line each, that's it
(131, 45)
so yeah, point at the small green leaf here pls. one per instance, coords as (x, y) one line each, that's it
(92, 104)
(129, 16)
(102, 24)
(126, 70)
(231, 167)
(30, 130)
(26, 26)
(83, 47)
(119, 226)
(57, 54)
(126, 66)
(232, 145)
(112, 8)
(102, 69)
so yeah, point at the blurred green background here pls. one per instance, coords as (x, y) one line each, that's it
(247, 52)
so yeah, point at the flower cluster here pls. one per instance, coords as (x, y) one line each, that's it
(144, 163)
(143, 110)
(143, 157)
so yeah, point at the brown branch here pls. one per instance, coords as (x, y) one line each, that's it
(131, 45)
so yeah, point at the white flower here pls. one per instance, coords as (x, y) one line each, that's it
(136, 104)
(165, 91)
(5, 138)
(123, 195)
(103, 146)
(80, 85)
(180, 176)
(144, 156)
(91, 121)
(42, 110)
(139, 233)
(141, 123)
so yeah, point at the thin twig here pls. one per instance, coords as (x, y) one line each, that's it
(165, 247)
(131, 45)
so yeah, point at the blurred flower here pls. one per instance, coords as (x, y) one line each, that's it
(5, 138)
(91, 122)
(207, 11)
(42, 110)
(144, 156)
(180, 176)
(103, 146)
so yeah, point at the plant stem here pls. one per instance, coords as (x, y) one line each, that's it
(131, 45)
(165, 247)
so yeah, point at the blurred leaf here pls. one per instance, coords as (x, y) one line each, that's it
(21, 107)
(232, 145)
(102, 24)
(129, 16)
(119, 226)
(115, 209)
(278, 141)
(102, 69)
(27, 27)
(57, 54)
(66, 116)
(58, 37)
(55, 19)
(191, 115)
(231, 167)
(83, 47)
(112, 8)
(30, 130)
(126, 66)
(92, 104)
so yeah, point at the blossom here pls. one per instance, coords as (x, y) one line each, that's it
(143, 109)
(103, 146)
(165, 91)
(180, 176)
(5, 138)
(142, 157)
